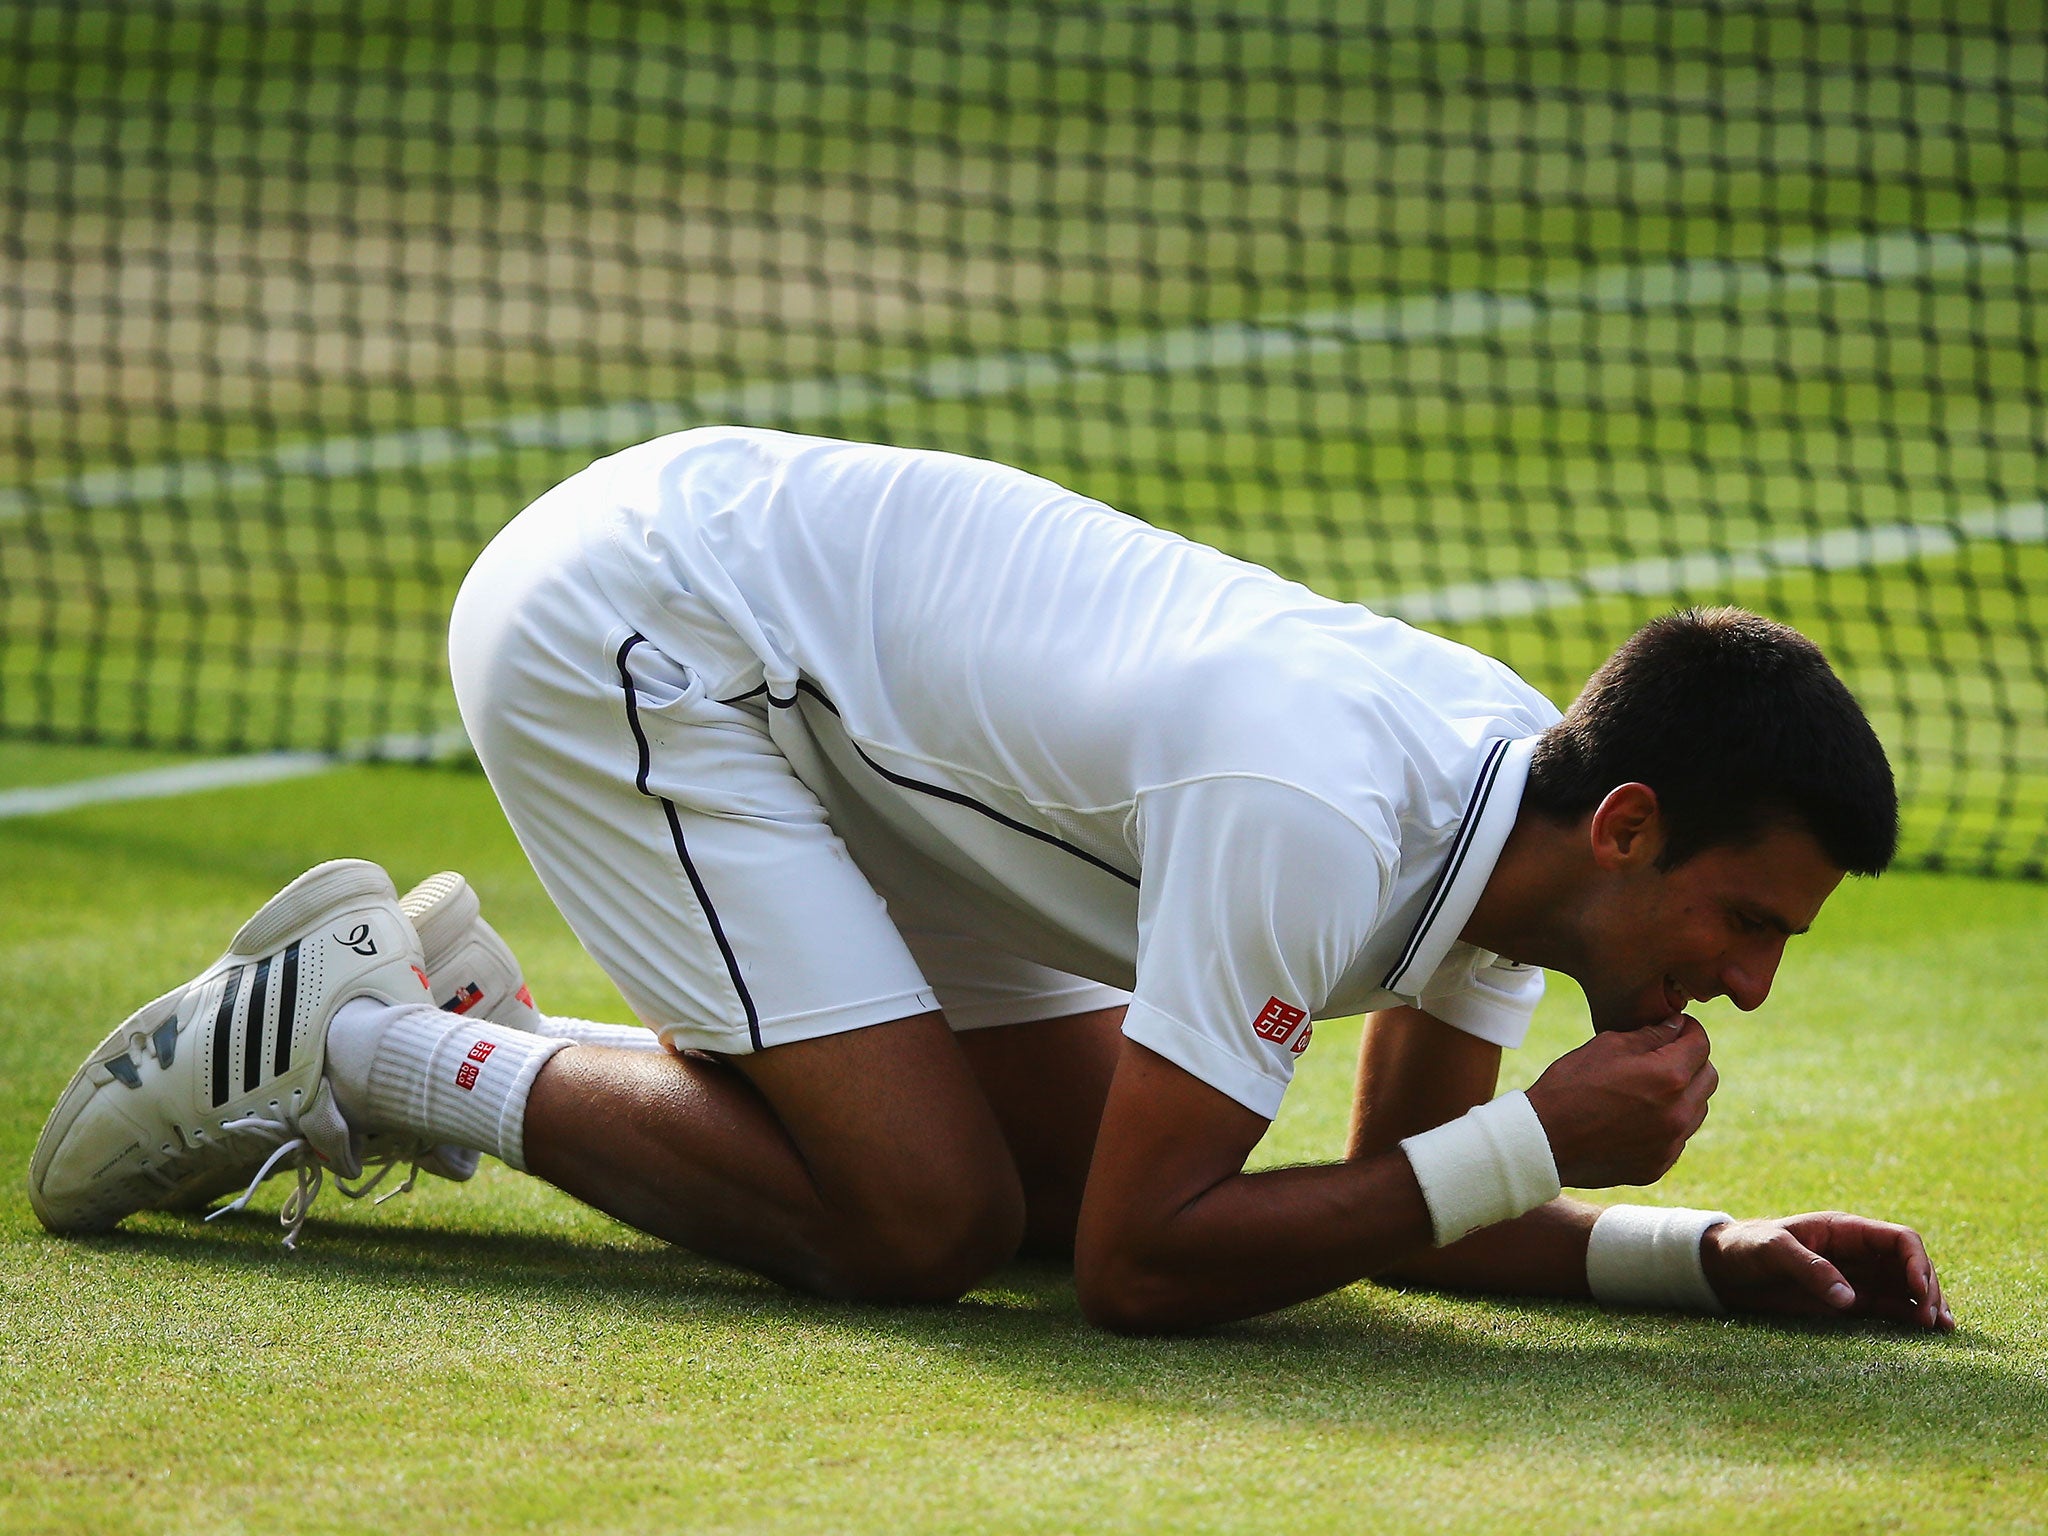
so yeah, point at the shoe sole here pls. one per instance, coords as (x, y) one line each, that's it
(293, 910)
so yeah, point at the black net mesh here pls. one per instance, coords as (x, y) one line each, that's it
(1524, 321)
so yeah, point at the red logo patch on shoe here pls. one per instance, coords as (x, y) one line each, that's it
(463, 1001)
(425, 985)
(526, 997)
(1276, 1020)
(465, 1076)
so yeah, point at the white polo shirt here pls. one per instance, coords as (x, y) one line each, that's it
(1093, 743)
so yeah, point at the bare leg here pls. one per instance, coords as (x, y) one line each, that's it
(1046, 1083)
(862, 1165)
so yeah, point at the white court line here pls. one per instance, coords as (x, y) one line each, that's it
(1706, 570)
(1511, 597)
(1665, 286)
(215, 773)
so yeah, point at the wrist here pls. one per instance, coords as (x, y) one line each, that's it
(1490, 1165)
(1713, 1262)
(1556, 1123)
(1653, 1256)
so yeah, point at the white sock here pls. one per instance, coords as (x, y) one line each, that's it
(415, 1070)
(625, 1037)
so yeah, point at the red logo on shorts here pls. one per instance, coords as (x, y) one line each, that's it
(1276, 1020)
(1301, 1040)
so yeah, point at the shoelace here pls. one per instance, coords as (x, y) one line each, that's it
(295, 1151)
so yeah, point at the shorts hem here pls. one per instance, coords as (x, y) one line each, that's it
(734, 1039)
(967, 1017)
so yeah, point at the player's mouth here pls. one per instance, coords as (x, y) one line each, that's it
(1654, 1007)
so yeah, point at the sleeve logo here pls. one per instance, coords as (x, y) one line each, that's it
(1276, 1021)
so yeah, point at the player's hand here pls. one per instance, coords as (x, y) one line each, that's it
(1620, 1108)
(1825, 1264)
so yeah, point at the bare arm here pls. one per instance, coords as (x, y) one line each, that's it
(1175, 1234)
(1416, 1072)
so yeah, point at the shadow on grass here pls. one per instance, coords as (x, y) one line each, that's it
(1497, 1372)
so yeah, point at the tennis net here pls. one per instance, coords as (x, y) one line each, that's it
(1523, 321)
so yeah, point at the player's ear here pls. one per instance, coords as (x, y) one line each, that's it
(1627, 829)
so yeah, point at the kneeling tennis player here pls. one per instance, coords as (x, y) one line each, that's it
(981, 861)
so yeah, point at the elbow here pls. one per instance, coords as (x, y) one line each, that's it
(1131, 1310)
(1120, 1295)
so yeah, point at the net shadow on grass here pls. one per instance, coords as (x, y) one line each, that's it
(1497, 1373)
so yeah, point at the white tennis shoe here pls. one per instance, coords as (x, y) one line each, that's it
(470, 971)
(223, 1079)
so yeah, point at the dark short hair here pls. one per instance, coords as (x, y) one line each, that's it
(1739, 724)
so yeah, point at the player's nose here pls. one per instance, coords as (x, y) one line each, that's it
(1746, 977)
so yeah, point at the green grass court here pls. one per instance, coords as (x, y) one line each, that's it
(490, 1357)
(1526, 319)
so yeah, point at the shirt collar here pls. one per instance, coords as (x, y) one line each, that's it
(1482, 833)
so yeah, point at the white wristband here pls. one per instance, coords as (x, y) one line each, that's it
(1491, 1164)
(1649, 1256)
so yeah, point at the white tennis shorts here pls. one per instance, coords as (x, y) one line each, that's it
(689, 859)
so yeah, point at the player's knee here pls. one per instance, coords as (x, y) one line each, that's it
(935, 1249)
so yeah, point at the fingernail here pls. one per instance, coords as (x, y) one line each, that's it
(1840, 1295)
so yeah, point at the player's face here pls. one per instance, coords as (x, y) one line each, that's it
(1715, 926)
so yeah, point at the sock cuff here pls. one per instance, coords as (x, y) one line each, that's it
(445, 1078)
(539, 1050)
(626, 1037)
